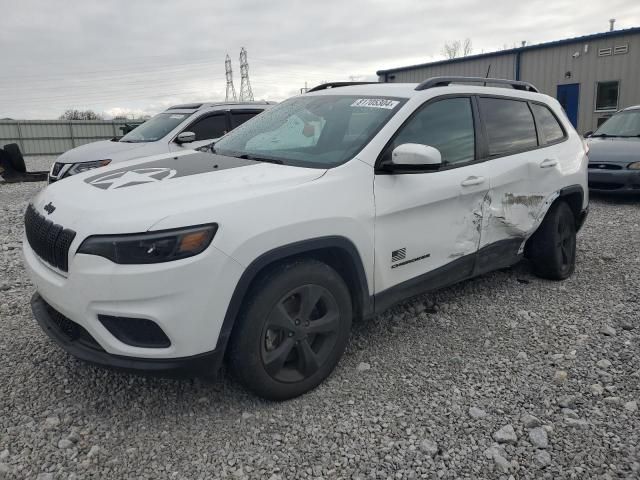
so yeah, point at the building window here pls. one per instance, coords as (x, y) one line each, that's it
(607, 95)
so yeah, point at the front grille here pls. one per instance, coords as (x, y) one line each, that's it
(71, 330)
(605, 185)
(51, 242)
(604, 166)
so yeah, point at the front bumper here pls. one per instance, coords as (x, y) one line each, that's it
(621, 181)
(187, 299)
(79, 343)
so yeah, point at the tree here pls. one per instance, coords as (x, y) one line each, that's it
(73, 114)
(457, 48)
(467, 47)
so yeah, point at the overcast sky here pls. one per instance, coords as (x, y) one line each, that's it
(139, 56)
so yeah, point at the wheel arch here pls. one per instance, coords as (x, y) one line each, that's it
(336, 251)
(574, 196)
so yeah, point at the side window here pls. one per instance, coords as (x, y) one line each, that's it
(238, 118)
(547, 123)
(446, 125)
(207, 128)
(509, 125)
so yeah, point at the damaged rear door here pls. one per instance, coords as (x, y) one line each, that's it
(513, 203)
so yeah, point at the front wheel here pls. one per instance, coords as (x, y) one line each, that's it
(552, 249)
(292, 331)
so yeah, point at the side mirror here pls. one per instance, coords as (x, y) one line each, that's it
(588, 134)
(414, 157)
(186, 137)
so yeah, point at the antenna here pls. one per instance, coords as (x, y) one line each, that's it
(246, 94)
(231, 90)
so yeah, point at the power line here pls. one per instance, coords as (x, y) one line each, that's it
(246, 94)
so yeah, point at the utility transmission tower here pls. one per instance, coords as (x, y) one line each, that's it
(246, 94)
(231, 90)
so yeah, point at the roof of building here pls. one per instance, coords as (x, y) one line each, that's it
(555, 43)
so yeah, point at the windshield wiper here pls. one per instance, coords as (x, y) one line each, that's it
(260, 159)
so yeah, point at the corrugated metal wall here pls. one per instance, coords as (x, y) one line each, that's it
(502, 66)
(53, 137)
(549, 67)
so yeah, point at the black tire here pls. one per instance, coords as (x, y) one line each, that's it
(4, 160)
(15, 157)
(277, 350)
(552, 248)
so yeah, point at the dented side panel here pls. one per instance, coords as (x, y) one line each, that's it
(523, 188)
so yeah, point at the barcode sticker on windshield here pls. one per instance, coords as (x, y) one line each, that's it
(375, 103)
(177, 117)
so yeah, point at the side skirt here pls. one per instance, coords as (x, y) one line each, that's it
(498, 255)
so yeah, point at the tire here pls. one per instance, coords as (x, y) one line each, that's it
(277, 350)
(552, 248)
(15, 157)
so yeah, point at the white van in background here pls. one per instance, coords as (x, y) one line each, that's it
(178, 128)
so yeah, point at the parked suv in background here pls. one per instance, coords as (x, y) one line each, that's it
(168, 131)
(614, 153)
(328, 207)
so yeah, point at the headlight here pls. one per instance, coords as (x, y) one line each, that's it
(84, 166)
(634, 166)
(151, 247)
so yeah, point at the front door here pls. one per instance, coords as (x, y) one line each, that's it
(427, 224)
(207, 128)
(569, 97)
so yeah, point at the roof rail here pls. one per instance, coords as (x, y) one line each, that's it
(444, 81)
(325, 86)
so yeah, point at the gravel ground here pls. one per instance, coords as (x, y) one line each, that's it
(502, 376)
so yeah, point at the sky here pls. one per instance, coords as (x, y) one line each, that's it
(140, 56)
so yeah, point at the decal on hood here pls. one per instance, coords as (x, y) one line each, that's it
(165, 169)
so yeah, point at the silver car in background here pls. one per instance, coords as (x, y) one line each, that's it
(614, 153)
(180, 127)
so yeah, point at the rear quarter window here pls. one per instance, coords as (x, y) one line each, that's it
(548, 124)
(509, 125)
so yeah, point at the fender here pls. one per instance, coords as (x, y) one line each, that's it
(363, 300)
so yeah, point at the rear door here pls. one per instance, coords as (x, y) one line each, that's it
(511, 148)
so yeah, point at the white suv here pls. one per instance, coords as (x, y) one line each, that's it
(180, 127)
(328, 207)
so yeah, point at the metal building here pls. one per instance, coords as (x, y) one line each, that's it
(592, 76)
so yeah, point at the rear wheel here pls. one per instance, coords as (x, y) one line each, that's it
(293, 330)
(552, 249)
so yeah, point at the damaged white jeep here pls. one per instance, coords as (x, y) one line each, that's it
(328, 207)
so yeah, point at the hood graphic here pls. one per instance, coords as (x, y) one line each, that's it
(165, 169)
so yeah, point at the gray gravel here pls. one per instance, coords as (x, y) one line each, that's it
(420, 393)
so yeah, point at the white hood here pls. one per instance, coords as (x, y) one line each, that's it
(135, 196)
(114, 151)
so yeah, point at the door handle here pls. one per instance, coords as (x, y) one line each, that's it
(469, 182)
(548, 163)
